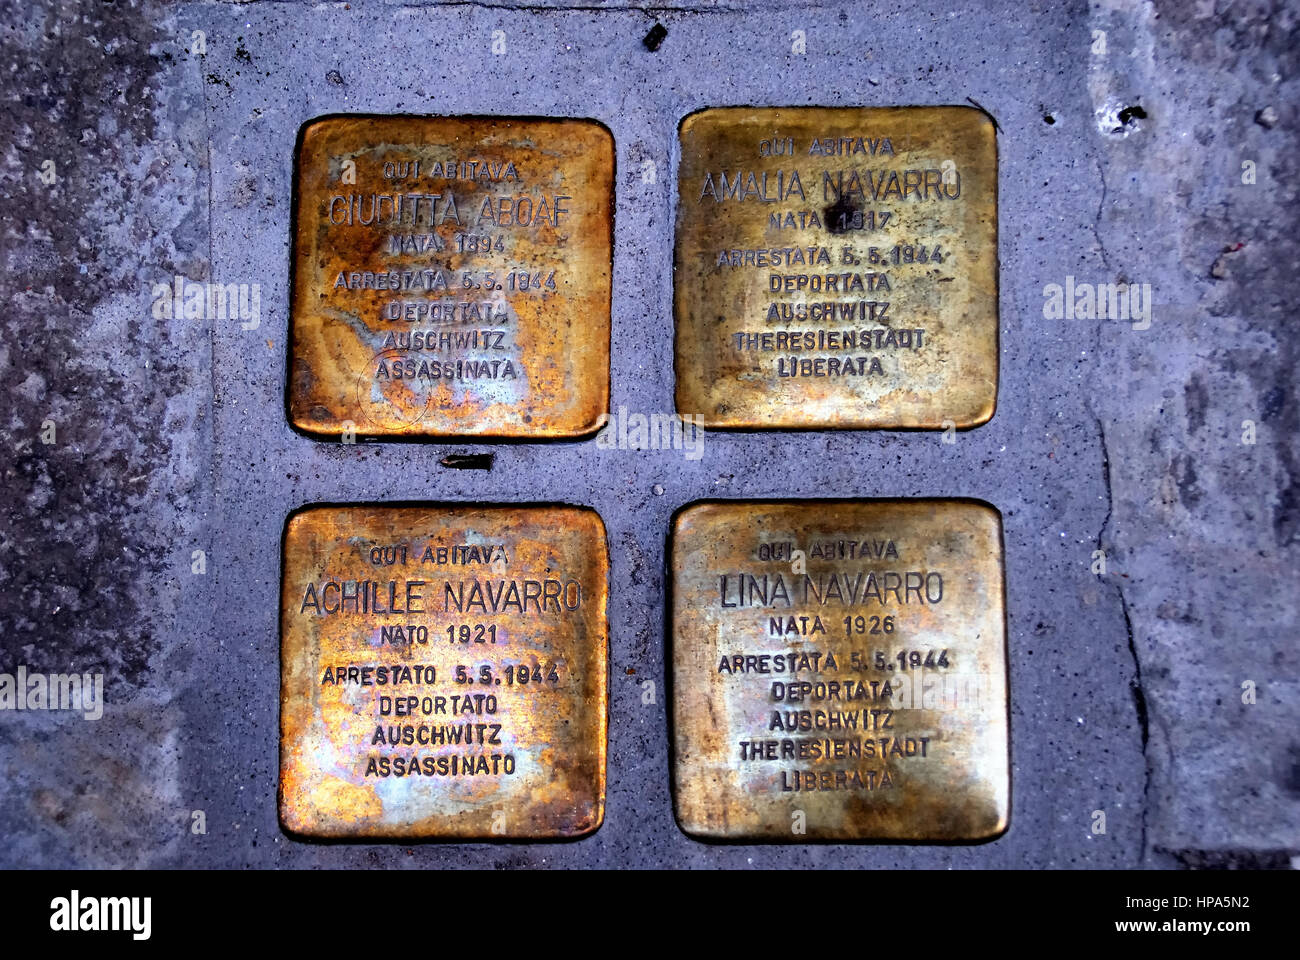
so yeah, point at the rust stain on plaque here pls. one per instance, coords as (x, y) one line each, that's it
(452, 277)
(837, 267)
(444, 672)
(839, 671)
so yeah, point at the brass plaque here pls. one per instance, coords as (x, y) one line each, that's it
(451, 277)
(444, 672)
(839, 671)
(837, 267)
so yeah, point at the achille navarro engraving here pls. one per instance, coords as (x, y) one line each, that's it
(444, 672)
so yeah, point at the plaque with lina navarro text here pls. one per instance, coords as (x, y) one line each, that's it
(443, 672)
(451, 277)
(839, 671)
(837, 267)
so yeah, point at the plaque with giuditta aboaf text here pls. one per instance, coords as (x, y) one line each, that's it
(837, 267)
(839, 671)
(444, 672)
(451, 277)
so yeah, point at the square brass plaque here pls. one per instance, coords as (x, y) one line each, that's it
(444, 672)
(451, 277)
(839, 671)
(837, 267)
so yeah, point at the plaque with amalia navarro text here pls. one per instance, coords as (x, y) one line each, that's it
(837, 268)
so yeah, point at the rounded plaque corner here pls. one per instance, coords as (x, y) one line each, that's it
(983, 415)
(591, 425)
(582, 831)
(690, 828)
(294, 825)
(685, 513)
(607, 135)
(988, 510)
(313, 128)
(997, 830)
(684, 405)
(316, 425)
(591, 515)
(300, 515)
(305, 426)
(691, 119)
(981, 117)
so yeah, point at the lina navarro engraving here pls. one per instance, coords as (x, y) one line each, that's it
(824, 649)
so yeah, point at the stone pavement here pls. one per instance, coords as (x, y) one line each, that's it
(1146, 144)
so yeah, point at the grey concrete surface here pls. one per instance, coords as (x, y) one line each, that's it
(170, 435)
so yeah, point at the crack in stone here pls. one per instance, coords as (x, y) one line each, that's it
(1140, 705)
(1105, 475)
(649, 10)
(212, 326)
(1096, 222)
(1135, 684)
(652, 10)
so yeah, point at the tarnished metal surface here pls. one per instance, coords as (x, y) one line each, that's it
(839, 671)
(452, 277)
(444, 672)
(837, 267)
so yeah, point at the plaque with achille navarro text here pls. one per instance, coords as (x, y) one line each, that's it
(444, 672)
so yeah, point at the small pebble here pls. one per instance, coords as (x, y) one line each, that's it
(655, 37)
